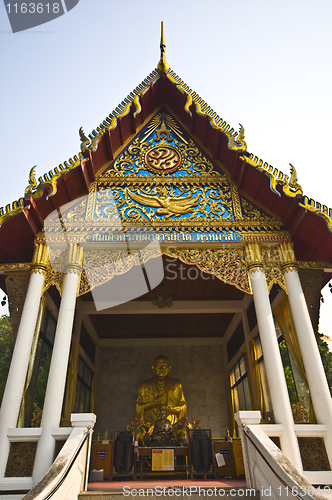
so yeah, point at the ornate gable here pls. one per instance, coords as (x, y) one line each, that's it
(188, 193)
(162, 182)
(163, 187)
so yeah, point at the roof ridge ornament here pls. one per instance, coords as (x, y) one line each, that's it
(163, 66)
(32, 182)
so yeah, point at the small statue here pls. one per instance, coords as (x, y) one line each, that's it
(160, 393)
(162, 430)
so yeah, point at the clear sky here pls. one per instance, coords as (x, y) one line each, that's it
(263, 63)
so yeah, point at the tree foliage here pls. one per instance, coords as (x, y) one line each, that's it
(35, 394)
(288, 372)
(326, 356)
(6, 351)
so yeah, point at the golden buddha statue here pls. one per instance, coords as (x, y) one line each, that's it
(160, 393)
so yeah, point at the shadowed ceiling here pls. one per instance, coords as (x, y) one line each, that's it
(182, 283)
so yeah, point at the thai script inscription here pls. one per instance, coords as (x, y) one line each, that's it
(175, 237)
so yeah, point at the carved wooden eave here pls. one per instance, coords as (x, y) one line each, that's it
(309, 224)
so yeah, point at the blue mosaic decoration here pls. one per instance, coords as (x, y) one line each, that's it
(181, 183)
(162, 182)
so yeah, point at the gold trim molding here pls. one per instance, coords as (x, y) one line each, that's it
(40, 259)
(254, 259)
(316, 208)
(290, 186)
(74, 259)
(23, 266)
(288, 261)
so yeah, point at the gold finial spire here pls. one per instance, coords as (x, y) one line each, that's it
(162, 65)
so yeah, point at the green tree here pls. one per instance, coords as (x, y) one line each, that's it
(6, 351)
(288, 372)
(325, 352)
(326, 356)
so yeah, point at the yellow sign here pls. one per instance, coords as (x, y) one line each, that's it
(238, 455)
(163, 459)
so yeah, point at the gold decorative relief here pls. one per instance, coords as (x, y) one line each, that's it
(179, 191)
(21, 459)
(22, 266)
(78, 212)
(313, 453)
(53, 278)
(227, 264)
(163, 158)
(272, 267)
(101, 265)
(268, 260)
(162, 179)
(166, 205)
(91, 201)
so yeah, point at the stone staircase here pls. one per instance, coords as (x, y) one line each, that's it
(171, 494)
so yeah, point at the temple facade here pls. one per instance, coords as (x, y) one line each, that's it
(164, 236)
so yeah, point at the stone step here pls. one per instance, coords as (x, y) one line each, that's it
(170, 494)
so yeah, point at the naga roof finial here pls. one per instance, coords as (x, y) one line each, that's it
(162, 65)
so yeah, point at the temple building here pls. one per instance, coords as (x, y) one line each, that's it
(165, 236)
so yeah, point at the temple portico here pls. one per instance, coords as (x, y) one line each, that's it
(164, 238)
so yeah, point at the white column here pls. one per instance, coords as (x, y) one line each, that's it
(58, 370)
(12, 397)
(319, 390)
(273, 364)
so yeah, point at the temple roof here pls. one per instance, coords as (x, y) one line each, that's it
(271, 191)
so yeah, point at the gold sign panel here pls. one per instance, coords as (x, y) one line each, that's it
(163, 459)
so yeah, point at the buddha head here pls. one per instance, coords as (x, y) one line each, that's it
(161, 366)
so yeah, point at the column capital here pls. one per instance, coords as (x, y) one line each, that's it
(74, 259)
(40, 259)
(254, 258)
(287, 257)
